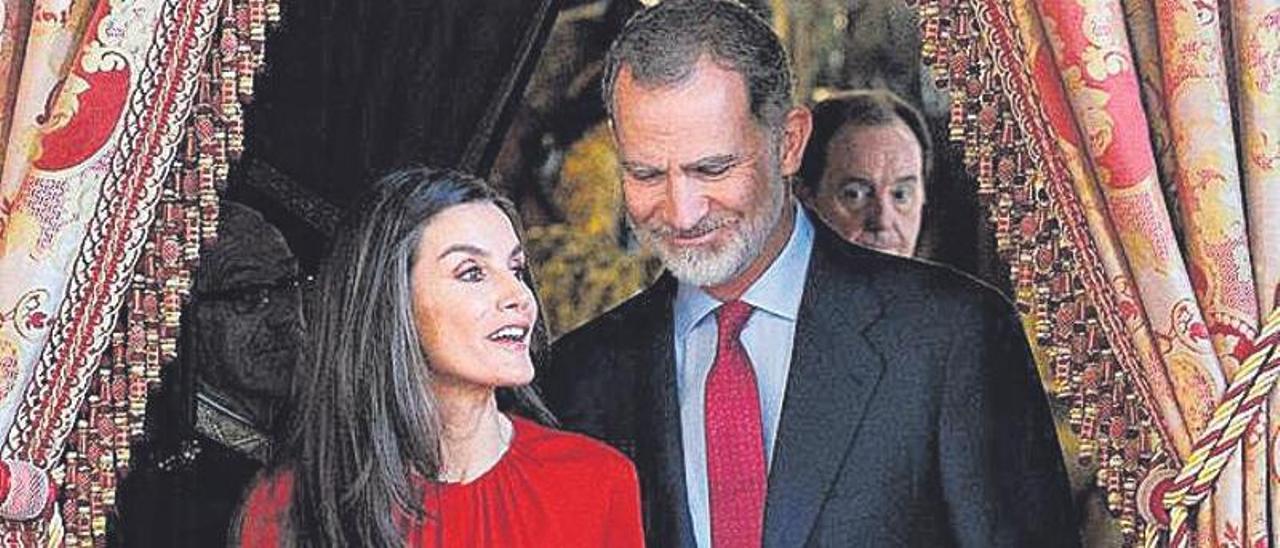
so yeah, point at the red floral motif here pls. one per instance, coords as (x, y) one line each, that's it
(1232, 534)
(1243, 346)
(1234, 283)
(36, 320)
(1103, 88)
(26, 315)
(1128, 310)
(86, 108)
(1262, 53)
(1198, 331)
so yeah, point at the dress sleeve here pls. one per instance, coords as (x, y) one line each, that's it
(258, 525)
(622, 523)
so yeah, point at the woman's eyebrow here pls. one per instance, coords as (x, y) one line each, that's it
(463, 248)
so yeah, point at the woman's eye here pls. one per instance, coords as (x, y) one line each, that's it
(472, 274)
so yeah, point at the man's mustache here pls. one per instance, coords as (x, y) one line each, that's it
(704, 226)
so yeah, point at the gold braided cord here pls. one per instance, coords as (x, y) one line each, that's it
(1151, 536)
(1241, 403)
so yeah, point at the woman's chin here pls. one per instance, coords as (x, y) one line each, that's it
(514, 375)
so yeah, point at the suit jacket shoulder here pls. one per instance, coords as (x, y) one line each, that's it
(596, 374)
(955, 436)
(912, 295)
(909, 280)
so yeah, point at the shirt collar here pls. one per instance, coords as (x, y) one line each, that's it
(775, 292)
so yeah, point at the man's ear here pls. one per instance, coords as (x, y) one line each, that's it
(795, 134)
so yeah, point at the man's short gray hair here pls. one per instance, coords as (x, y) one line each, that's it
(662, 44)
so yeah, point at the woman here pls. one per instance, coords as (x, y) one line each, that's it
(425, 326)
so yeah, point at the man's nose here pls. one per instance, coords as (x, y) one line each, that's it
(686, 204)
(876, 216)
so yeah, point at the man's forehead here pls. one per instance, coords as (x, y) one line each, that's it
(672, 71)
(892, 133)
(680, 149)
(704, 76)
(706, 114)
(250, 269)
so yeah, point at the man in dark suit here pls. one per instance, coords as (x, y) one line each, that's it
(778, 386)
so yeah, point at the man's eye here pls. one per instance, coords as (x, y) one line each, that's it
(472, 274)
(856, 193)
(645, 175)
(713, 170)
(252, 300)
(902, 194)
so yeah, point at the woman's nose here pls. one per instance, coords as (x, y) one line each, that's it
(516, 293)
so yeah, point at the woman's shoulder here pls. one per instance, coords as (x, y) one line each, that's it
(268, 498)
(265, 508)
(272, 485)
(586, 492)
(549, 446)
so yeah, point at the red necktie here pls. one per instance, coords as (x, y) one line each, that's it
(735, 439)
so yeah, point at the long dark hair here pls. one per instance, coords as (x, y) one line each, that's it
(365, 432)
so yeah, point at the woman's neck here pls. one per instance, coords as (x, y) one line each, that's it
(475, 434)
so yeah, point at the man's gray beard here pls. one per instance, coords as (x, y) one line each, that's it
(704, 266)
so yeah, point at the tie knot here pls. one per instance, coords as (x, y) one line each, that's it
(733, 315)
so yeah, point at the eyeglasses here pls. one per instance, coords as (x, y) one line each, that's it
(251, 298)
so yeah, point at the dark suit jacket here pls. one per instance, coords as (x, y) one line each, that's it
(913, 415)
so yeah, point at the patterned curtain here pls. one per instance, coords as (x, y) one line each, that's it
(117, 122)
(1128, 151)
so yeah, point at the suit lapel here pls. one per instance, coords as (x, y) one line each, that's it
(660, 445)
(835, 368)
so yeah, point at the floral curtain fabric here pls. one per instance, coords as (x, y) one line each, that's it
(118, 119)
(1152, 128)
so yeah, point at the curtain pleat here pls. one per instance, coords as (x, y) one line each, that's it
(1256, 52)
(54, 35)
(1058, 111)
(15, 21)
(1162, 117)
(122, 122)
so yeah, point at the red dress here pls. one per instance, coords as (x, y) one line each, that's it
(551, 488)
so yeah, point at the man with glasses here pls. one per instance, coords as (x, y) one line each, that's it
(244, 327)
